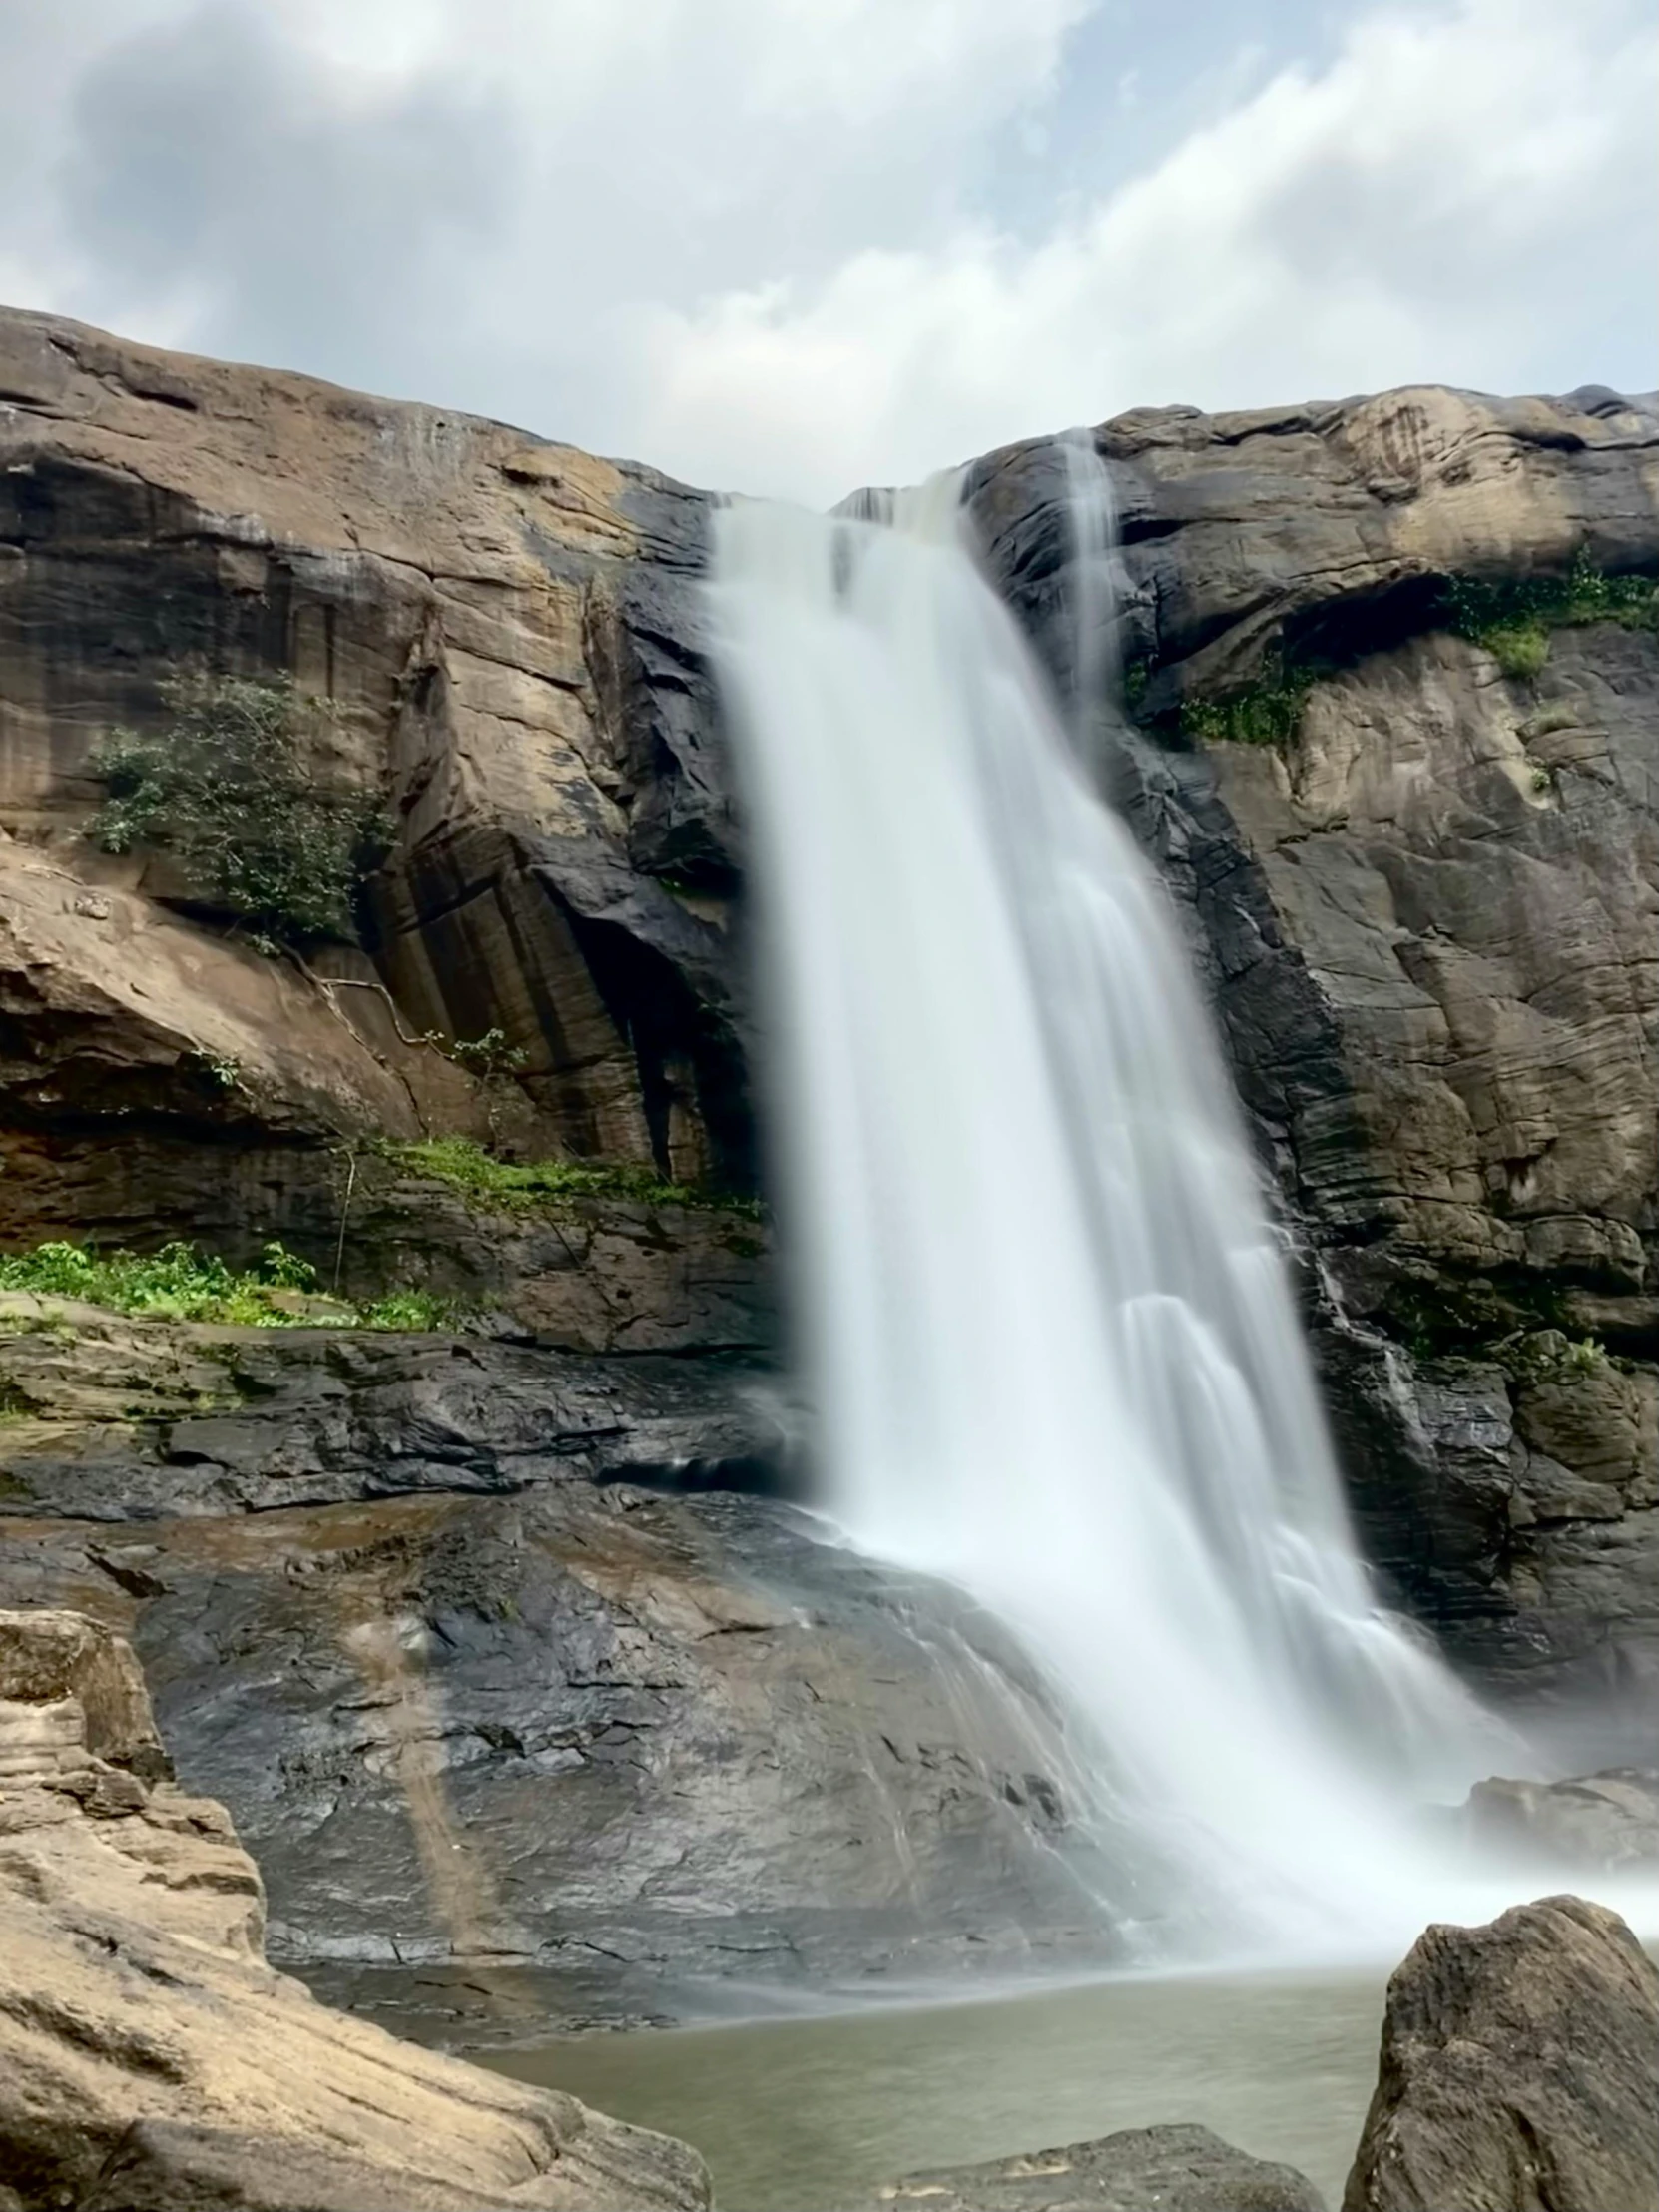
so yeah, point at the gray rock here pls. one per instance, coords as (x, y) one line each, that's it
(1596, 1822)
(1519, 2070)
(1142, 2169)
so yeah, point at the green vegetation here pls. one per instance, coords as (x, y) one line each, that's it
(1268, 712)
(1513, 620)
(487, 1181)
(178, 1283)
(485, 1057)
(229, 791)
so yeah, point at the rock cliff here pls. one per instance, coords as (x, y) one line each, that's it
(1418, 861)
(1423, 876)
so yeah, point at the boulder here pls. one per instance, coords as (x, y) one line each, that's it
(1519, 2070)
(1141, 2169)
(1597, 1821)
(149, 2057)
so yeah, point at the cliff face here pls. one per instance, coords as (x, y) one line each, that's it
(507, 632)
(1428, 915)
(1425, 910)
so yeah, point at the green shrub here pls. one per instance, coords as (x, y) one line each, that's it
(486, 1180)
(178, 1283)
(1268, 712)
(1513, 619)
(229, 791)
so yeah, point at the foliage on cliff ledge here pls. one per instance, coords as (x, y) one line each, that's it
(178, 1283)
(229, 790)
(486, 1180)
(1268, 712)
(1512, 620)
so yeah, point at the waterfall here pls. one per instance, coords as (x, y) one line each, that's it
(1046, 1322)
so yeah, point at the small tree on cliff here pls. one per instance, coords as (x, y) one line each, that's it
(229, 791)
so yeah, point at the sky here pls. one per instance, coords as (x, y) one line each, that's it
(795, 245)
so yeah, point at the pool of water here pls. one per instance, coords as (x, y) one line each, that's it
(814, 2113)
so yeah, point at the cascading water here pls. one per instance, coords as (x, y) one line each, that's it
(1046, 1325)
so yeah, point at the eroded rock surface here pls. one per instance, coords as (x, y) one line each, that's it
(1428, 924)
(1141, 2169)
(1519, 2070)
(149, 2057)
(508, 633)
(405, 1607)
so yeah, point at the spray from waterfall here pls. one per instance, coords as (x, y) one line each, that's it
(1046, 1322)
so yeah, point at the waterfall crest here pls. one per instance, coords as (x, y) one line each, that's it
(1045, 1321)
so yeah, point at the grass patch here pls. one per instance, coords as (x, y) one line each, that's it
(228, 789)
(1513, 620)
(486, 1180)
(1268, 712)
(178, 1283)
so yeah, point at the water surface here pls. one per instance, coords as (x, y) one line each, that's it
(816, 2113)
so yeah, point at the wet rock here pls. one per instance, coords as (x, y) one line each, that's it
(1596, 1822)
(586, 1754)
(1519, 2070)
(1143, 2169)
(1426, 922)
(149, 2057)
(122, 1419)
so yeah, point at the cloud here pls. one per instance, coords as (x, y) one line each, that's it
(1463, 195)
(795, 244)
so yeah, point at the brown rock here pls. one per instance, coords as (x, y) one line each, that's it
(148, 2055)
(1519, 2070)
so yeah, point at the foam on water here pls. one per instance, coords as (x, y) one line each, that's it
(1045, 1320)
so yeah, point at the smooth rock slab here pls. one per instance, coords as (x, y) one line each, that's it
(1519, 2070)
(1141, 2169)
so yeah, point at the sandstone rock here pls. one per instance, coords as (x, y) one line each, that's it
(1519, 2070)
(1142, 2169)
(150, 2057)
(507, 632)
(1597, 1821)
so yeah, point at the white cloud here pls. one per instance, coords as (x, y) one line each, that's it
(772, 244)
(1453, 198)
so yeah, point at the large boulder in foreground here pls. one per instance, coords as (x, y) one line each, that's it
(1141, 2169)
(1519, 2070)
(149, 2057)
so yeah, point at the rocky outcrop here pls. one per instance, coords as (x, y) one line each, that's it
(1428, 918)
(118, 1419)
(148, 2055)
(1520, 2068)
(505, 631)
(1143, 2169)
(1597, 1822)
(405, 1606)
